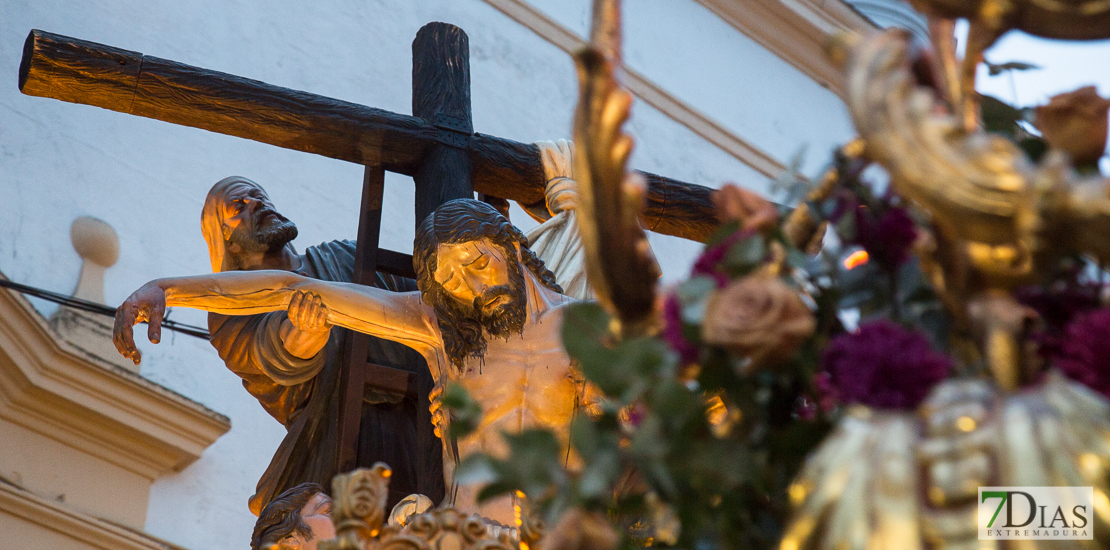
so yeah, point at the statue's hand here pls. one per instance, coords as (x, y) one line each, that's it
(308, 313)
(146, 304)
(439, 416)
(308, 330)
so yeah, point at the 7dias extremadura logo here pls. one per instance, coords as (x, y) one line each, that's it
(1036, 513)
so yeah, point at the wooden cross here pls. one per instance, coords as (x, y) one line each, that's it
(441, 93)
(437, 146)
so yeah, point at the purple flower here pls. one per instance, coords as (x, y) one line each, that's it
(884, 365)
(708, 262)
(672, 331)
(888, 240)
(1058, 306)
(1084, 353)
(827, 397)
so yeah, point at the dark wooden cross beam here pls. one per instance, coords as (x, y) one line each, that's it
(78, 71)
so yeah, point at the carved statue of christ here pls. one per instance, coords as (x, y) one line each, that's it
(488, 316)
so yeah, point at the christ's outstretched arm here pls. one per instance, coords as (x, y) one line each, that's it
(397, 316)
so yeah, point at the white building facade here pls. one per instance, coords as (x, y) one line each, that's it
(725, 90)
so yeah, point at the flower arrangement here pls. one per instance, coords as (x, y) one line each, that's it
(701, 428)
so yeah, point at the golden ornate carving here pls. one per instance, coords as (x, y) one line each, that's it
(358, 507)
(618, 259)
(904, 480)
(1000, 220)
(359, 514)
(444, 529)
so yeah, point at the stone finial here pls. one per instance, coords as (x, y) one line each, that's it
(98, 245)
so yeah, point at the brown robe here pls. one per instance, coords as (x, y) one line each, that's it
(304, 394)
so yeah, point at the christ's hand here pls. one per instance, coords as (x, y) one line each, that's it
(306, 331)
(439, 415)
(146, 304)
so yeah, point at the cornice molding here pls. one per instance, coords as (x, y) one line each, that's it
(51, 387)
(795, 30)
(650, 93)
(84, 529)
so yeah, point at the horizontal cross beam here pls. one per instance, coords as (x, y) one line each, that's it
(78, 71)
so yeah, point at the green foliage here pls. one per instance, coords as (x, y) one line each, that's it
(710, 441)
(651, 451)
(1005, 119)
(466, 413)
(997, 69)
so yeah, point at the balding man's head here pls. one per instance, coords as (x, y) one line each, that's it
(239, 218)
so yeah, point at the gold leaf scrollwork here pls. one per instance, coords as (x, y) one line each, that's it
(619, 262)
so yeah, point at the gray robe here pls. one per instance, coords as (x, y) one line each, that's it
(304, 394)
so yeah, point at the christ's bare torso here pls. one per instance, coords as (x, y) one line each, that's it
(522, 381)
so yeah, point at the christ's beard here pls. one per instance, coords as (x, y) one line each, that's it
(507, 318)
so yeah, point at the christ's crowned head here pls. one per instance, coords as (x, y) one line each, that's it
(470, 265)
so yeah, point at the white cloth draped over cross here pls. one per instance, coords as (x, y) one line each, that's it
(557, 241)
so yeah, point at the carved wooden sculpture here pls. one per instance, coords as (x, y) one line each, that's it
(437, 146)
(488, 317)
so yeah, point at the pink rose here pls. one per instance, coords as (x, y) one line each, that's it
(1075, 123)
(758, 317)
(740, 205)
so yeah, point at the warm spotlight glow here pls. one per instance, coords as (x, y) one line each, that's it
(1090, 463)
(797, 493)
(856, 259)
(966, 424)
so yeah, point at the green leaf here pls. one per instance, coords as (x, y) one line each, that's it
(673, 399)
(585, 330)
(494, 490)
(599, 474)
(796, 258)
(693, 296)
(1000, 68)
(647, 441)
(845, 227)
(746, 254)
(477, 468)
(585, 437)
(466, 413)
(1035, 147)
(537, 461)
(999, 116)
(725, 231)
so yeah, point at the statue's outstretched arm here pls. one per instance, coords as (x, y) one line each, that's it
(401, 317)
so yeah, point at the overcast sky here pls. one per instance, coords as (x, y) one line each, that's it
(1065, 66)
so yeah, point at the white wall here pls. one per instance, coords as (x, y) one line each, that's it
(148, 179)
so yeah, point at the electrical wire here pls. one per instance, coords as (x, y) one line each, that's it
(93, 307)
